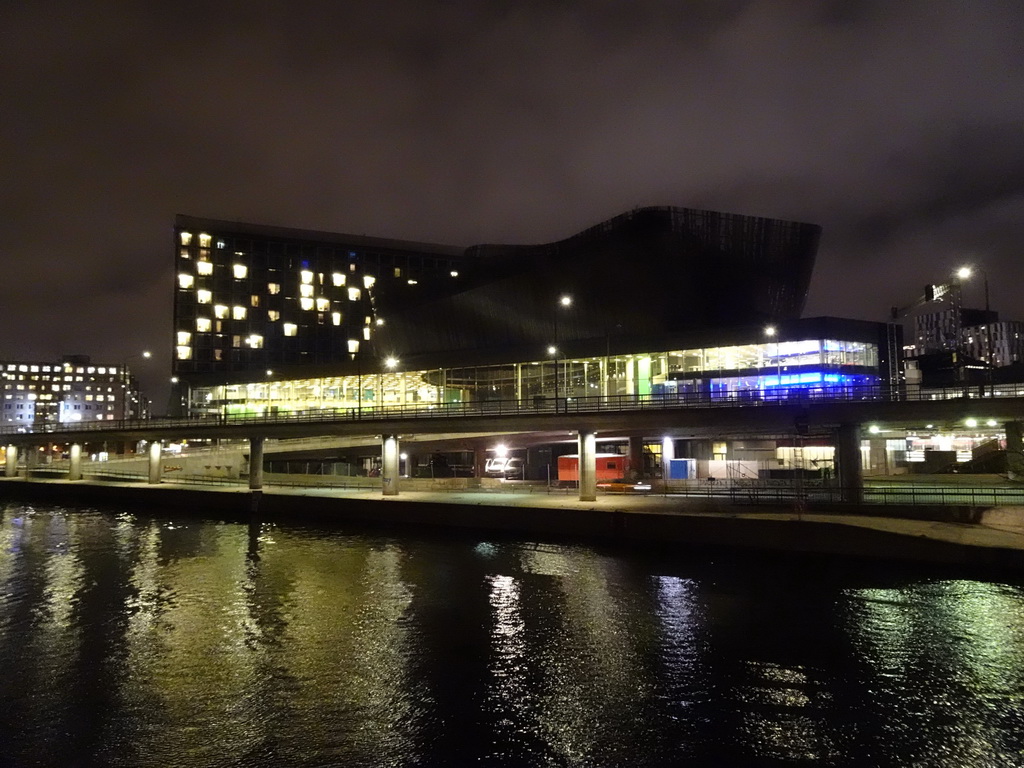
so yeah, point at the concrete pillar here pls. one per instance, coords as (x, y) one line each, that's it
(1014, 449)
(636, 456)
(255, 463)
(848, 463)
(878, 462)
(389, 465)
(11, 470)
(479, 459)
(31, 459)
(155, 470)
(75, 469)
(668, 452)
(587, 465)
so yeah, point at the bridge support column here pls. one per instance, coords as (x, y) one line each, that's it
(668, 452)
(848, 463)
(479, 459)
(636, 456)
(11, 470)
(389, 465)
(155, 451)
(255, 463)
(1014, 449)
(31, 460)
(587, 440)
(75, 468)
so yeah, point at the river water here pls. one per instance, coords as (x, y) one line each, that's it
(129, 639)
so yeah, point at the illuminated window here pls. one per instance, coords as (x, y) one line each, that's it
(307, 276)
(203, 324)
(185, 281)
(322, 305)
(236, 341)
(306, 290)
(238, 313)
(184, 338)
(354, 294)
(398, 271)
(368, 281)
(184, 254)
(254, 300)
(239, 271)
(454, 273)
(412, 282)
(306, 303)
(351, 267)
(353, 346)
(204, 297)
(186, 238)
(204, 240)
(218, 355)
(273, 288)
(290, 329)
(338, 279)
(336, 318)
(366, 332)
(255, 341)
(204, 267)
(273, 314)
(221, 244)
(184, 353)
(220, 311)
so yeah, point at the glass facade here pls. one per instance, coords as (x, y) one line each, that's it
(766, 370)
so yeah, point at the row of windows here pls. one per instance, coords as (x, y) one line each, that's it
(28, 368)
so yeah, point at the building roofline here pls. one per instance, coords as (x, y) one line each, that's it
(184, 221)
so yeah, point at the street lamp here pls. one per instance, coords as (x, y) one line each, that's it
(353, 353)
(964, 273)
(188, 395)
(126, 384)
(564, 302)
(390, 362)
(772, 333)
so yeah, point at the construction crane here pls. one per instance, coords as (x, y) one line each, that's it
(932, 292)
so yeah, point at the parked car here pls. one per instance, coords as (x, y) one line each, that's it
(506, 469)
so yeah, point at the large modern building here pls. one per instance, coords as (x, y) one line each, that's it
(660, 301)
(37, 395)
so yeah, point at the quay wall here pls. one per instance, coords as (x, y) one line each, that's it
(712, 525)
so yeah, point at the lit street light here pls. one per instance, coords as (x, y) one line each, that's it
(965, 273)
(127, 381)
(564, 302)
(772, 333)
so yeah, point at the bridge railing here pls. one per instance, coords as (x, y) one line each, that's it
(548, 405)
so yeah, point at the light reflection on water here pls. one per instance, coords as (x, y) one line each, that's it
(133, 641)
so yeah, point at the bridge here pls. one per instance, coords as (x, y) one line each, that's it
(839, 413)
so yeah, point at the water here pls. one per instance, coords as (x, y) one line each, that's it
(135, 640)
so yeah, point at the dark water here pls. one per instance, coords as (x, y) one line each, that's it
(133, 640)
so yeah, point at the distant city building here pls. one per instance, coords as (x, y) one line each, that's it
(36, 394)
(968, 331)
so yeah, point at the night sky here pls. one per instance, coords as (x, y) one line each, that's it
(898, 126)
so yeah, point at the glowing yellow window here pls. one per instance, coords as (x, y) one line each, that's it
(338, 279)
(184, 353)
(203, 324)
(306, 303)
(220, 311)
(185, 281)
(204, 240)
(336, 318)
(273, 314)
(238, 313)
(184, 254)
(184, 338)
(368, 281)
(186, 238)
(398, 271)
(353, 346)
(255, 341)
(204, 267)
(290, 329)
(322, 304)
(239, 270)
(354, 294)
(307, 276)
(204, 297)
(254, 300)
(306, 290)
(273, 288)
(366, 332)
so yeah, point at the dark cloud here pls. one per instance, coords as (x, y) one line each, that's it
(897, 126)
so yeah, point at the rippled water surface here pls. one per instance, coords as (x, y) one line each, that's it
(134, 640)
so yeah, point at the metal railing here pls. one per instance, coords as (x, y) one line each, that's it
(538, 405)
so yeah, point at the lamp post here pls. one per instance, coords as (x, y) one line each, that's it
(564, 302)
(965, 273)
(126, 385)
(390, 362)
(353, 353)
(187, 388)
(772, 333)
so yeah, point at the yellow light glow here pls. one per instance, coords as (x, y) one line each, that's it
(307, 276)
(220, 311)
(336, 318)
(238, 313)
(273, 314)
(368, 281)
(184, 353)
(306, 303)
(204, 240)
(306, 290)
(366, 333)
(185, 281)
(186, 238)
(203, 324)
(354, 294)
(338, 279)
(273, 288)
(255, 341)
(204, 267)
(322, 304)
(353, 346)
(239, 270)
(290, 329)
(184, 338)
(203, 296)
